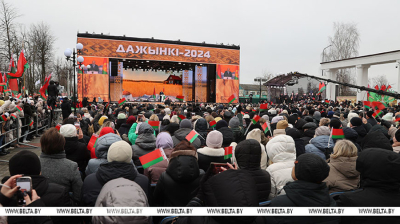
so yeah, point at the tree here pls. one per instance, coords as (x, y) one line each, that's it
(8, 15)
(380, 80)
(344, 44)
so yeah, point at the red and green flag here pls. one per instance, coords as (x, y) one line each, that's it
(19, 108)
(7, 90)
(154, 93)
(228, 152)
(231, 99)
(58, 126)
(378, 105)
(265, 127)
(213, 123)
(152, 158)
(19, 96)
(376, 113)
(327, 101)
(121, 101)
(192, 136)
(154, 124)
(321, 88)
(180, 98)
(30, 124)
(92, 142)
(2, 84)
(181, 117)
(337, 133)
(264, 107)
(255, 119)
(105, 66)
(43, 89)
(21, 67)
(14, 116)
(367, 104)
(3, 117)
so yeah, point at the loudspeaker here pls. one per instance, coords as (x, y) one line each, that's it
(114, 68)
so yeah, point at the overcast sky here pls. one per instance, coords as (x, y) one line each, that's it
(274, 36)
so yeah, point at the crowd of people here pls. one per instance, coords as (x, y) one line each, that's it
(296, 162)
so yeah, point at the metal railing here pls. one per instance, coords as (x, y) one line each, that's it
(34, 128)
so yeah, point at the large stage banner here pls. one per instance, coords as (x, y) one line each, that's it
(158, 51)
(187, 85)
(227, 82)
(201, 83)
(94, 81)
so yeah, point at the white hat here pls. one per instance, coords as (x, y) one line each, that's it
(68, 130)
(120, 151)
(214, 139)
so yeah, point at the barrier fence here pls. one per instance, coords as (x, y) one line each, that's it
(38, 124)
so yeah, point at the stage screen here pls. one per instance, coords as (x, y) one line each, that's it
(187, 85)
(227, 83)
(139, 85)
(95, 79)
(201, 83)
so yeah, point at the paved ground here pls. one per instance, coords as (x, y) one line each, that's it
(4, 159)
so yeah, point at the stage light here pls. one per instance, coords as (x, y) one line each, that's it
(142, 62)
(201, 64)
(179, 63)
(147, 61)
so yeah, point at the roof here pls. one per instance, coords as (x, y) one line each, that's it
(152, 40)
(281, 80)
(252, 87)
(174, 77)
(361, 56)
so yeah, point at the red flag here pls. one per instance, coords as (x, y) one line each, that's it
(377, 104)
(91, 145)
(21, 66)
(228, 152)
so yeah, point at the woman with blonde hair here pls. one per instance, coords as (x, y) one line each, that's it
(106, 124)
(343, 175)
(154, 117)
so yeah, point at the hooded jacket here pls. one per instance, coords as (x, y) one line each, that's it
(201, 127)
(376, 139)
(320, 147)
(351, 135)
(76, 151)
(361, 131)
(238, 131)
(181, 134)
(256, 135)
(248, 157)
(121, 192)
(109, 171)
(229, 188)
(309, 133)
(304, 194)
(154, 172)
(176, 185)
(281, 152)
(145, 142)
(317, 117)
(343, 175)
(66, 109)
(102, 145)
(124, 128)
(380, 185)
(227, 135)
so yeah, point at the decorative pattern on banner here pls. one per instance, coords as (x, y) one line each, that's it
(158, 51)
(187, 85)
(201, 83)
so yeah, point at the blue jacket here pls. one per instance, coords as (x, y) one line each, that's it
(319, 144)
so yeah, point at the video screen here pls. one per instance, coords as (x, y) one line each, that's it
(151, 86)
(95, 79)
(227, 83)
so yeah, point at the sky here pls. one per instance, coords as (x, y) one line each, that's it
(274, 36)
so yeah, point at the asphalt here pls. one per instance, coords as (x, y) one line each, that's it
(4, 159)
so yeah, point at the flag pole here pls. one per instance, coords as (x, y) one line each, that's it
(248, 128)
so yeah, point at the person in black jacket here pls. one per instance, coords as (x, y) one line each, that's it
(357, 125)
(299, 143)
(379, 185)
(75, 147)
(28, 117)
(177, 184)
(52, 194)
(231, 188)
(248, 157)
(307, 190)
(227, 133)
(119, 165)
(376, 139)
(66, 108)
(201, 127)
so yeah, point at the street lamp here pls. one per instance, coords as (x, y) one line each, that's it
(68, 52)
(260, 79)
